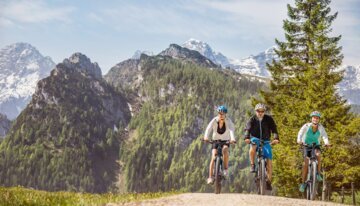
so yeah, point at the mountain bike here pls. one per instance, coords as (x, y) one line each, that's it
(219, 167)
(311, 183)
(260, 173)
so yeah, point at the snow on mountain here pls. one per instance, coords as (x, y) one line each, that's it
(256, 65)
(21, 67)
(349, 87)
(204, 49)
(253, 65)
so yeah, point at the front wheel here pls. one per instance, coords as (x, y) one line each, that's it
(313, 180)
(262, 177)
(217, 175)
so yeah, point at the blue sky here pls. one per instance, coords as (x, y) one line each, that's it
(109, 32)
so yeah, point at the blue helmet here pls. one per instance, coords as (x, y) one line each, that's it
(315, 113)
(221, 108)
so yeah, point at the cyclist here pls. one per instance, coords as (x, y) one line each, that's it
(310, 133)
(222, 128)
(260, 126)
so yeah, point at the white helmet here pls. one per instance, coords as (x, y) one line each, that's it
(260, 106)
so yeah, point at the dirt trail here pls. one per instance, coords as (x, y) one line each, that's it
(205, 199)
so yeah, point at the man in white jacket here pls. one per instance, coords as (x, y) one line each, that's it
(222, 128)
(310, 133)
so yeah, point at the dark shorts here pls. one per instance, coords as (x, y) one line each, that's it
(307, 151)
(214, 146)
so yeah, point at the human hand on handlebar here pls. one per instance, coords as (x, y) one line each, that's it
(275, 141)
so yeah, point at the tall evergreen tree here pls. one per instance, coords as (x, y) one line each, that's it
(304, 80)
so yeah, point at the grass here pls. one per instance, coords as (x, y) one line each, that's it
(347, 198)
(15, 196)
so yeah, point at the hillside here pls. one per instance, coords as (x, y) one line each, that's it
(176, 101)
(68, 137)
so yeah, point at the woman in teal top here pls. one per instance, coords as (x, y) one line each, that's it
(310, 133)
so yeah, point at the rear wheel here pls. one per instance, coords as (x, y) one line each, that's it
(217, 175)
(262, 177)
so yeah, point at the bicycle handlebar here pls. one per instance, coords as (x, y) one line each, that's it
(219, 141)
(313, 144)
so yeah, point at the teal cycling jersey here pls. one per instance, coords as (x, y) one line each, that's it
(312, 137)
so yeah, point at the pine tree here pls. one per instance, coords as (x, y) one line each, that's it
(304, 80)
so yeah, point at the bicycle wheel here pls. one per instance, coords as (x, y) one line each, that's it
(308, 191)
(309, 182)
(217, 175)
(262, 177)
(313, 180)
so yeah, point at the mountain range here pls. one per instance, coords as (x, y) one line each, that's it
(136, 129)
(22, 66)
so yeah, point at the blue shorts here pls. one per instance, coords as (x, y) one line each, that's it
(266, 147)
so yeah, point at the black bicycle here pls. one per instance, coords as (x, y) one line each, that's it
(261, 174)
(311, 183)
(219, 167)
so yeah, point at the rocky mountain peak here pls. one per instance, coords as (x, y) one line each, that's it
(177, 52)
(204, 49)
(138, 54)
(83, 64)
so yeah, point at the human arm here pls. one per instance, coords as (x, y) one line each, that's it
(247, 131)
(274, 130)
(208, 130)
(324, 135)
(300, 139)
(232, 131)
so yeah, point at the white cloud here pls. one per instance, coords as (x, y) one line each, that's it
(37, 11)
(5, 22)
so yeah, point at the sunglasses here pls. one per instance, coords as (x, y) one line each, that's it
(258, 111)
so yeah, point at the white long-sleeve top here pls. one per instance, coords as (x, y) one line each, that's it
(213, 125)
(302, 133)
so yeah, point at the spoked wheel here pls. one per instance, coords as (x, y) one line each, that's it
(313, 181)
(262, 177)
(217, 176)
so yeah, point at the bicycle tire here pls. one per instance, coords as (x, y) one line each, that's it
(217, 175)
(262, 177)
(309, 183)
(313, 181)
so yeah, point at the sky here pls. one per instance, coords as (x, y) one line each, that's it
(109, 32)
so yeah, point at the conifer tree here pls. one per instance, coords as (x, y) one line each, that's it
(304, 80)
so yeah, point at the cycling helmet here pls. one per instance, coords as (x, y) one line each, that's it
(260, 106)
(221, 108)
(315, 113)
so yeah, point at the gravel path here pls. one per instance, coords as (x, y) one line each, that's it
(205, 199)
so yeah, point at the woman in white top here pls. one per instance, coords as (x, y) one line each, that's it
(222, 128)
